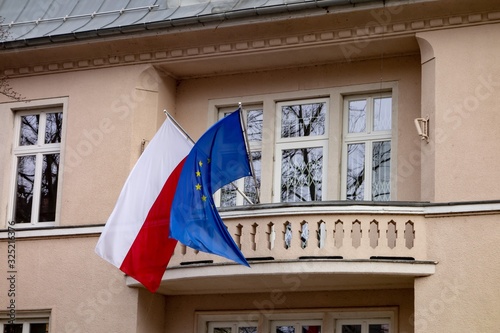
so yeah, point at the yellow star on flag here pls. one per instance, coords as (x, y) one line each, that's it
(200, 163)
(198, 187)
(198, 174)
(204, 197)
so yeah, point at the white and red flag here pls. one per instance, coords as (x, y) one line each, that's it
(136, 236)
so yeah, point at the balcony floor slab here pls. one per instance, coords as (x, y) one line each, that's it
(291, 275)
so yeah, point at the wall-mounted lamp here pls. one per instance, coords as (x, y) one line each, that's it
(422, 125)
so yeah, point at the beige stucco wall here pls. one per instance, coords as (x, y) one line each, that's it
(83, 292)
(111, 110)
(180, 310)
(108, 113)
(463, 294)
(465, 123)
(193, 96)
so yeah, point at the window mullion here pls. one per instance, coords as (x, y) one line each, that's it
(277, 174)
(364, 327)
(41, 129)
(240, 183)
(37, 188)
(368, 170)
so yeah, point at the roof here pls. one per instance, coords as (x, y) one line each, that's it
(35, 22)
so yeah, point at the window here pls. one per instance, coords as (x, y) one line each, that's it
(328, 144)
(25, 322)
(360, 320)
(304, 326)
(36, 150)
(249, 186)
(301, 146)
(27, 327)
(364, 326)
(232, 327)
(367, 147)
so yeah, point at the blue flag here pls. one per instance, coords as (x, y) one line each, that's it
(218, 158)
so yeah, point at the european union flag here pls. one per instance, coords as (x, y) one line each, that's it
(218, 158)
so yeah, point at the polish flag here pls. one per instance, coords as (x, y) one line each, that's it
(136, 236)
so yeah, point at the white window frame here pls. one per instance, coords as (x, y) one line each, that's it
(36, 107)
(367, 138)
(296, 323)
(328, 318)
(334, 183)
(235, 325)
(26, 324)
(253, 146)
(317, 141)
(364, 322)
(26, 318)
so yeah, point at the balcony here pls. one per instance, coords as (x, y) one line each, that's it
(340, 245)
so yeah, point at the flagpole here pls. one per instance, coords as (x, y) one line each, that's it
(249, 153)
(189, 138)
(178, 126)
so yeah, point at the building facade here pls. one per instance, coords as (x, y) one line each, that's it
(373, 130)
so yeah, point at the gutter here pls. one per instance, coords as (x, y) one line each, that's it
(179, 22)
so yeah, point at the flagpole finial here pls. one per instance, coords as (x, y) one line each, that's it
(165, 112)
(239, 105)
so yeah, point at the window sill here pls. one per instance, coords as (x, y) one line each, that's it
(51, 231)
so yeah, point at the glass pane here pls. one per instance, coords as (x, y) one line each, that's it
(254, 125)
(351, 328)
(250, 329)
(48, 197)
(285, 329)
(12, 328)
(250, 189)
(222, 329)
(355, 171)
(378, 328)
(29, 130)
(381, 171)
(302, 174)
(303, 120)
(228, 196)
(53, 127)
(382, 118)
(357, 116)
(24, 195)
(39, 328)
(311, 329)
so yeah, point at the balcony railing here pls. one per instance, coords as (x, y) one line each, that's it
(321, 232)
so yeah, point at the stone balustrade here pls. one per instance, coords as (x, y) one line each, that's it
(320, 233)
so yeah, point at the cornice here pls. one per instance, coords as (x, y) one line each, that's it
(372, 31)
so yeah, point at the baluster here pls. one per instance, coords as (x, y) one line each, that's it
(383, 241)
(365, 237)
